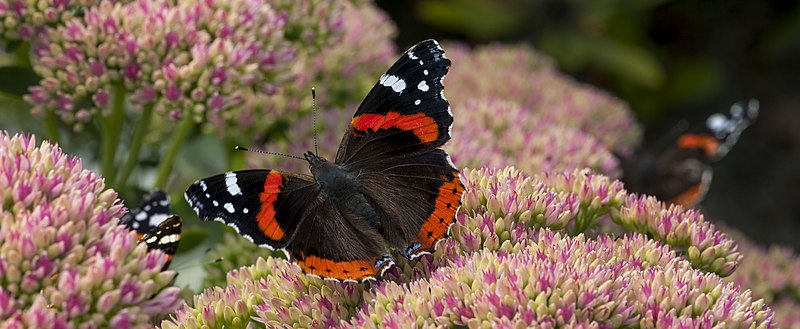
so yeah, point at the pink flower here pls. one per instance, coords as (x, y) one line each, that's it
(64, 259)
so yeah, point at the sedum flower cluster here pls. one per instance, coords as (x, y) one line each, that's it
(212, 61)
(531, 80)
(554, 281)
(517, 257)
(25, 20)
(233, 252)
(64, 260)
(504, 207)
(773, 274)
(497, 133)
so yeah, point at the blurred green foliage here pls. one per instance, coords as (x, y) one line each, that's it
(656, 54)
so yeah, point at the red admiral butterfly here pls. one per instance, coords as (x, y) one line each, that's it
(681, 174)
(155, 224)
(389, 184)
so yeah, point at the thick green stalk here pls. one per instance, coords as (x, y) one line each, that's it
(111, 131)
(178, 139)
(136, 145)
(22, 55)
(51, 124)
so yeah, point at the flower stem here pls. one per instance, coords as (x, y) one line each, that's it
(22, 56)
(136, 145)
(178, 139)
(51, 124)
(112, 130)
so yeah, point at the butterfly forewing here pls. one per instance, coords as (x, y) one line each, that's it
(264, 206)
(406, 111)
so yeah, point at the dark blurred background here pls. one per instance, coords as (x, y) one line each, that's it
(671, 61)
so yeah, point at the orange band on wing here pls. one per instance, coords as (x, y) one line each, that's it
(345, 270)
(690, 197)
(266, 215)
(706, 142)
(423, 126)
(444, 214)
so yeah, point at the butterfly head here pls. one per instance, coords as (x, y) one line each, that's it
(315, 162)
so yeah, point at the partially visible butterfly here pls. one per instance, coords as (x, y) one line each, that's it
(155, 224)
(681, 173)
(390, 184)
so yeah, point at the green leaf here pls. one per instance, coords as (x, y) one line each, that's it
(191, 238)
(15, 80)
(201, 156)
(576, 51)
(481, 19)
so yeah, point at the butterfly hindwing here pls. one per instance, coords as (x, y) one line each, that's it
(405, 112)
(332, 246)
(155, 224)
(165, 237)
(431, 191)
(152, 211)
(264, 206)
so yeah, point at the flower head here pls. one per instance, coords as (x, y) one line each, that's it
(25, 20)
(496, 133)
(272, 292)
(502, 207)
(772, 274)
(63, 257)
(521, 75)
(213, 61)
(233, 252)
(550, 281)
(555, 281)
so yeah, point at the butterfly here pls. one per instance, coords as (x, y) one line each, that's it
(155, 224)
(390, 183)
(681, 173)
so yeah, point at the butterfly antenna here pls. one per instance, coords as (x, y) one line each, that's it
(314, 116)
(265, 152)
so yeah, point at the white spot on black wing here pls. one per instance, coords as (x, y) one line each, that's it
(229, 207)
(157, 219)
(231, 183)
(423, 86)
(397, 84)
